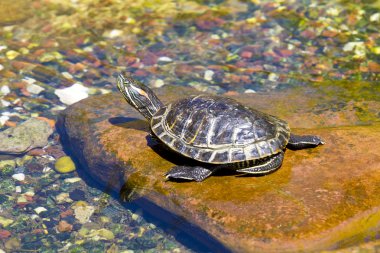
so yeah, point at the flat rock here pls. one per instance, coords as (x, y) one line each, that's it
(30, 134)
(320, 199)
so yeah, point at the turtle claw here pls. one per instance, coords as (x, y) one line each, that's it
(196, 173)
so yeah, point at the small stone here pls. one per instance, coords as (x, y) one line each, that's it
(208, 75)
(4, 234)
(72, 180)
(165, 59)
(77, 194)
(3, 119)
(5, 222)
(63, 198)
(18, 189)
(64, 165)
(7, 164)
(158, 83)
(273, 77)
(34, 89)
(64, 226)
(19, 176)
(101, 234)
(4, 90)
(22, 201)
(1, 67)
(249, 91)
(13, 244)
(246, 54)
(375, 17)
(30, 134)
(113, 33)
(83, 211)
(40, 209)
(11, 54)
(135, 216)
(104, 219)
(72, 94)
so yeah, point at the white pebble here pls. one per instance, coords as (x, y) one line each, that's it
(158, 83)
(165, 59)
(1, 67)
(34, 88)
(249, 91)
(72, 94)
(3, 119)
(67, 75)
(18, 189)
(19, 176)
(40, 209)
(5, 103)
(114, 33)
(208, 75)
(72, 180)
(2, 48)
(4, 90)
(352, 45)
(375, 17)
(29, 80)
(46, 169)
(273, 77)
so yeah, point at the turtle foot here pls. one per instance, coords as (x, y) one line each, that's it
(196, 173)
(304, 141)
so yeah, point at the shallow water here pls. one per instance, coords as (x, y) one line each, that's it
(331, 49)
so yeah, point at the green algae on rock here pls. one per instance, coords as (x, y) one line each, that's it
(316, 201)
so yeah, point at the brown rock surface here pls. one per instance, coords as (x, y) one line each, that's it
(320, 199)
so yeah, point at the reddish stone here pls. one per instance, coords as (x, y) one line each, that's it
(148, 58)
(55, 151)
(4, 234)
(246, 54)
(374, 67)
(208, 22)
(182, 70)
(64, 226)
(68, 212)
(314, 202)
(37, 152)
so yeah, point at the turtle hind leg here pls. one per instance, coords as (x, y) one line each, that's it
(196, 173)
(304, 141)
(266, 166)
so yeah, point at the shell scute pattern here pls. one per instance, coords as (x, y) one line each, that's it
(219, 130)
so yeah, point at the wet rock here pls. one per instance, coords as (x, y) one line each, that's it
(31, 134)
(83, 211)
(322, 198)
(64, 165)
(64, 226)
(72, 94)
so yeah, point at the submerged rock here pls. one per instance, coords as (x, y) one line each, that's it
(320, 199)
(31, 134)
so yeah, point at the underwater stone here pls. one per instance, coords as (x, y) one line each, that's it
(64, 165)
(312, 203)
(72, 94)
(31, 134)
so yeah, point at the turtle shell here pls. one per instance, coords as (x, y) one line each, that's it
(218, 130)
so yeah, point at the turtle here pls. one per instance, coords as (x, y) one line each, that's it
(215, 131)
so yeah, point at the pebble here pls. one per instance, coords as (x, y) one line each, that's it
(72, 180)
(40, 209)
(11, 54)
(30, 134)
(7, 163)
(64, 165)
(158, 83)
(34, 88)
(4, 90)
(13, 244)
(208, 75)
(5, 222)
(113, 33)
(375, 17)
(18, 189)
(72, 94)
(1, 67)
(249, 91)
(83, 211)
(164, 59)
(101, 234)
(19, 176)
(64, 226)
(3, 119)
(63, 198)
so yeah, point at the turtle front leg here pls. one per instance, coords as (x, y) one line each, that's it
(195, 173)
(304, 141)
(266, 166)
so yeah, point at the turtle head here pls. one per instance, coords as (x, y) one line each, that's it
(139, 96)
